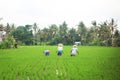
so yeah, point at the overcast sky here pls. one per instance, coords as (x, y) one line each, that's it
(46, 12)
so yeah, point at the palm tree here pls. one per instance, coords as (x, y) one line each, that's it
(45, 35)
(35, 32)
(35, 28)
(82, 31)
(53, 29)
(113, 26)
(72, 37)
(8, 28)
(63, 32)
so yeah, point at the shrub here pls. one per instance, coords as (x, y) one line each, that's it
(5, 44)
(117, 41)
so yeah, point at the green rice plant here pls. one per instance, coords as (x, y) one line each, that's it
(29, 62)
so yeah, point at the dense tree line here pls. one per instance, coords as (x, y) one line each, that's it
(102, 34)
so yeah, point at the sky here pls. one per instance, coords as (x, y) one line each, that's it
(47, 12)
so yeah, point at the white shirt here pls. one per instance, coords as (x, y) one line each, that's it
(60, 48)
(74, 50)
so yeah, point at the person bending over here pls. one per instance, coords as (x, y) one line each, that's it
(74, 50)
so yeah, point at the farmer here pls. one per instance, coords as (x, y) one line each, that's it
(60, 49)
(47, 52)
(74, 50)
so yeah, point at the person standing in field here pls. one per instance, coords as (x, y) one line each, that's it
(60, 49)
(74, 50)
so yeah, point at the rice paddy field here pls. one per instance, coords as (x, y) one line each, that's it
(30, 63)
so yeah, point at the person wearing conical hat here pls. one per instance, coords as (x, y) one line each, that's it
(60, 49)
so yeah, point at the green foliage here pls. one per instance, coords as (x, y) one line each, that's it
(82, 31)
(117, 41)
(102, 34)
(5, 44)
(23, 34)
(95, 42)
